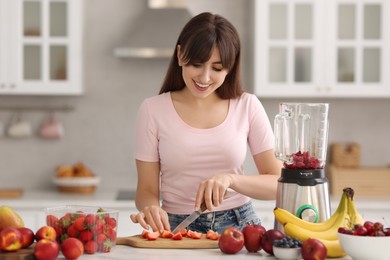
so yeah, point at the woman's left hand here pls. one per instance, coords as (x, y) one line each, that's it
(212, 191)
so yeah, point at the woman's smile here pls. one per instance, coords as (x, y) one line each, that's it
(201, 87)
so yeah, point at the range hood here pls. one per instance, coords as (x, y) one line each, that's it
(156, 31)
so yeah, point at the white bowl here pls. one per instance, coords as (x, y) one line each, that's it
(287, 253)
(76, 184)
(365, 247)
(76, 181)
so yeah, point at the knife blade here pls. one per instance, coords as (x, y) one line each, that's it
(191, 218)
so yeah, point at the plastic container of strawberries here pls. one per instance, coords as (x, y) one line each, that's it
(95, 227)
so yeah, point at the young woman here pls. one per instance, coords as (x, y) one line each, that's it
(192, 138)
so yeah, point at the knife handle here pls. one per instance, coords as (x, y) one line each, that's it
(203, 207)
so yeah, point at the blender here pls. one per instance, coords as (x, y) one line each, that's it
(301, 133)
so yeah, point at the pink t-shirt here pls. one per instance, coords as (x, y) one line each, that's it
(188, 155)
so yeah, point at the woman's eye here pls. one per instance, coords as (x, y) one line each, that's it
(197, 65)
(218, 69)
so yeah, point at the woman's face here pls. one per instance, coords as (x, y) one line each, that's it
(202, 79)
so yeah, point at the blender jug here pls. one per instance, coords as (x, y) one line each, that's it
(301, 133)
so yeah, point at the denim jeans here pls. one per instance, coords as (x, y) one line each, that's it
(219, 220)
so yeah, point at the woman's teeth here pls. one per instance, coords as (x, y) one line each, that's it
(202, 85)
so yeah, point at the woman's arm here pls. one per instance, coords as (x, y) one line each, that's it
(147, 198)
(262, 186)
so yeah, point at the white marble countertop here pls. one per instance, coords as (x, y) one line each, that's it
(127, 252)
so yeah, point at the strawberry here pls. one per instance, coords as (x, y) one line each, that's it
(72, 231)
(177, 236)
(152, 235)
(79, 223)
(51, 220)
(85, 236)
(183, 232)
(91, 247)
(111, 234)
(166, 234)
(196, 235)
(110, 221)
(100, 238)
(211, 234)
(144, 232)
(90, 220)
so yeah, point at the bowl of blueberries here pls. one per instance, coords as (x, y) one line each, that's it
(287, 248)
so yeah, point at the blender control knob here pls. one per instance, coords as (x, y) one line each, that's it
(308, 213)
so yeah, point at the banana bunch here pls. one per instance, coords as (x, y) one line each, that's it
(346, 215)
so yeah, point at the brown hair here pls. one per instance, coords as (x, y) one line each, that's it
(197, 40)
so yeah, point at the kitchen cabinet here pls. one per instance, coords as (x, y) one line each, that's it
(316, 48)
(40, 47)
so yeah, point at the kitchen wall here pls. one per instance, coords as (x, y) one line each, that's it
(100, 129)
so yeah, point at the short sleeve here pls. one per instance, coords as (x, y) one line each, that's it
(146, 144)
(261, 136)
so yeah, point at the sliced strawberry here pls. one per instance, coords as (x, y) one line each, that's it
(144, 232)
(166, 234)
(211, 234)
(183, 232)
(189, 233)
(196, 235)
(177, 236)
(152, 235)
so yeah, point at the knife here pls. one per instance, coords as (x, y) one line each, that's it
(191, 218)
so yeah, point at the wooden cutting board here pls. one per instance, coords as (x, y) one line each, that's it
(185, 243)
(21, 254)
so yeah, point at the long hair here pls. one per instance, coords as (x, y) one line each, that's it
(197, 40)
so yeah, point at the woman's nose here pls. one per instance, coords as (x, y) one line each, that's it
(205, 75)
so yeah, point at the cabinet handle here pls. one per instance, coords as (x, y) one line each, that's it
(2, 85)
(12, 85)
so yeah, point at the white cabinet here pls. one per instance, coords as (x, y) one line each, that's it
(317, 48)
(40, 47)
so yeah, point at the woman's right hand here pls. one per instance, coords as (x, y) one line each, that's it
(152, 217)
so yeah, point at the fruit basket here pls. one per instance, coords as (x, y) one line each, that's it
(95, 227)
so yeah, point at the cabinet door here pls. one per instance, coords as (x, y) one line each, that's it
(315, 48)
(358, 48)
(288, 45)
(45, 47)
(5, 29)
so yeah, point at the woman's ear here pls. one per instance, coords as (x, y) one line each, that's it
(179, 55)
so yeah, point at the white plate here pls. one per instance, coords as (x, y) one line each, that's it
(76, 181)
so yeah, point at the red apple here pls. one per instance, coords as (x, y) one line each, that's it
(46, 232)
(313, 249)
(72, 248)
(268, 239)
(28, 236)
(46, 249)
(252, 237)
(10, 239)
(231, 240)
(387, 231)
